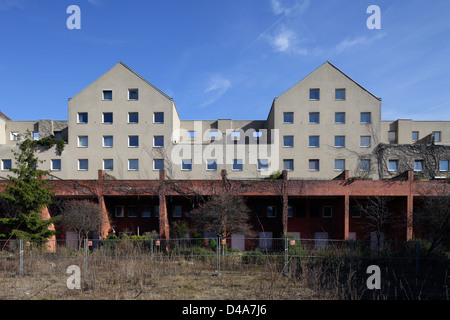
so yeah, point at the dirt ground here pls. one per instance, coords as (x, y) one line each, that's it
(192, 286)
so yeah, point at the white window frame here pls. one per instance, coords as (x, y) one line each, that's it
(292, 161)
(78, 117)
(284, 141)
(129, 162)
(186, 162)
(340, 89)
(103, 141)
(235, 162)
(309, 118)
(421, 164)
(3, 165)
(389, 167)
(133, 113)
(214, 161)
(129, 91)
(448, 164)
(360, 169)
(286, 113)
(154, 164)
(363, 146)
(335, 162)
(130, 146)
(159, 122)
(331, 212)
(318, 165)
(79, 162)
(339, 146)
(103, 117)
(260, 168)
(14, 136)
(80, 138)
(52, 167)
(318, 142)
(104, 168)
(365, 113)
(103, 94)
(158, 146)
(335, 114)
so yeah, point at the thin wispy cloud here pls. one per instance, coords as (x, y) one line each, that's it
(350, 43)
(216, 87)
(284, 9)
(285, 41)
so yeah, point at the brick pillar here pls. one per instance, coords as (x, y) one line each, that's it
(164, 232)
(106, 225)
(285, 203)
(409, 208)
(51, 244)
(346, 216)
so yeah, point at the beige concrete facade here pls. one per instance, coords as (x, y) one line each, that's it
(121, 123)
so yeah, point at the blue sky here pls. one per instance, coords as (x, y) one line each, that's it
(225, 59)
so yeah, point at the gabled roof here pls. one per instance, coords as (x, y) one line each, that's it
(145, 80)
(4, 116)
(135, 73)
(330, 64)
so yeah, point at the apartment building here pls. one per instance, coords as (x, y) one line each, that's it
(126, 146)
(122, 124)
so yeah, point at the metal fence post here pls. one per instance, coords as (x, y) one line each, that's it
(21, 257)
(286, 258)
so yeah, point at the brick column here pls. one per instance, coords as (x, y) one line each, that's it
(164, 232)
(409, 208)
(51, 244)
(346, 216)
(106, 225)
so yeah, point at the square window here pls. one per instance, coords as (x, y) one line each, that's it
(437, 136)
(327, 211)
(146, 211)
(418, 165)
(259, 210)
(107, 95)
(108, 141)
(158, 164)
(133, 94)
(393, 165)
(290, 211)
(314, 94)
(82, 117)
(364, 165)
(235, 135)
(158, 117)
(158, 141)
(132, 211)
(314, 117)
(107, 117)
(339, 141)
(339, 117)
(339, 165)
(288, 164)
(177, 211)
(391, 136)
(83, 141)
(288, 117)
(263, 164)
(213, 135)
(443, 165)
(6, 164)
(257, 134)
(356, 212)
(415, 136)
(14, 136)
(314, 141)
(133, 141)
(288, 141)
(156, 211)
(271, 212)
(58, 135)
(365, 142)
(186, 164)
(237, 165)
(366, 117)
(56, 165)
(133, 164)
(118, 212)
(191, 135)
(83, 164)
(314, 165)
(133, 117)
(108, 164)
(339, 94)
(211, 164)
